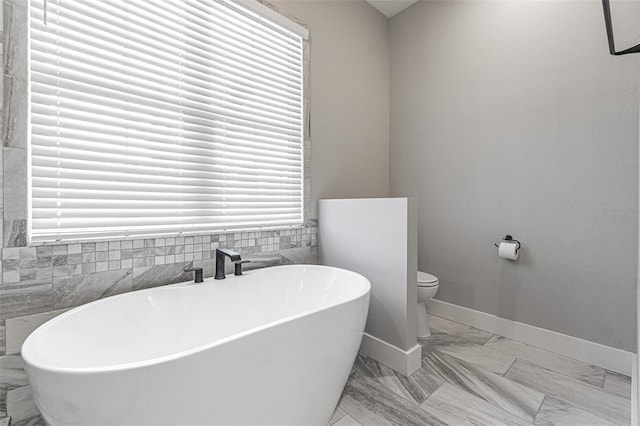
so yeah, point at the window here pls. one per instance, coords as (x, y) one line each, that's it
(165, 116)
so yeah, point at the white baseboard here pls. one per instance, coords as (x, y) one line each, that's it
(404, 362)
(583, 350)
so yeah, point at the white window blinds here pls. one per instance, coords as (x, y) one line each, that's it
(164, 116)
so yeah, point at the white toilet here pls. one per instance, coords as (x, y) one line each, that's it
(427, 288)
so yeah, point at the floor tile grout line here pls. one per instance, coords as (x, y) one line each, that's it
(490, 339)
(513, 362)
(419, 405)
(604, 377)
(485, 371)
(546, 368)
(472, 346)
(399, 377)
(539, 408)
(625, 395)
(492, 336)
(394, 396)
(581, 382)
(342, 406)
(479, 367)
(613, 373)
(466, 325)
(431, 394)
(493, 405)
(397, 395)
(339, 418)
(570, 403)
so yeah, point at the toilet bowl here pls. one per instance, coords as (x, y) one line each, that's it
(427, 288)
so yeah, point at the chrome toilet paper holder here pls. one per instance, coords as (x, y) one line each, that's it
(509, 238)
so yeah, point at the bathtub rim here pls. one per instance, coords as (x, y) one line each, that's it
(177, 355)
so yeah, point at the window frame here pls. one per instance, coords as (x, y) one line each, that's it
(267, 12)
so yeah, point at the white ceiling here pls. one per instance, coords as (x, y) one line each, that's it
(391, 7)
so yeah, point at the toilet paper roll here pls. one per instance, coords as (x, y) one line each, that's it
(508, 250)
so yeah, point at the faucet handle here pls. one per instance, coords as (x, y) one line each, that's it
(198, 274)
(239, 266)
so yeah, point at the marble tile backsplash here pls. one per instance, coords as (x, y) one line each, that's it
(40, 282)
(14, 123)
(44, 278)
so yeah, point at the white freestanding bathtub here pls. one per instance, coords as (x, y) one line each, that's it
(272, 347)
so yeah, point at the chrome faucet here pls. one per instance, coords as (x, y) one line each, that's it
(220, 258)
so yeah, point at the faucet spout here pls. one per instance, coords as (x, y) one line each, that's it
(221, 253)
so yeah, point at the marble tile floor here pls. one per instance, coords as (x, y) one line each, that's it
(471, 377)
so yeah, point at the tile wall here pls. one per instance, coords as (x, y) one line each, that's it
(40, 282)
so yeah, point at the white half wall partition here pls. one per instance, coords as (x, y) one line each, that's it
(377, 237)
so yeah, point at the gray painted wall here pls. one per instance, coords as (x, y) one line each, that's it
(511, 117)
(349, 97)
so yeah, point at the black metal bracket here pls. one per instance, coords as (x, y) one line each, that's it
(609, 25)
(509, 238)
